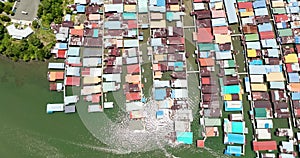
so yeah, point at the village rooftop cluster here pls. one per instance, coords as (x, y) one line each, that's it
(101, 46)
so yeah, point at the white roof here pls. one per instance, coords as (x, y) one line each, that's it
(91, 62)
(87, 90)
(108, 105)
(114, 8)
(160, 84)
(17, 33)
(234, 104)
(182, 126)
(112, 77)
(223, 55)
(263, 133)
(264, 123)
(71, 99)
(199, 6)
(59, 86)
(236, 117)
(134, 106)
(94, 72)
(179, 93)
(55, 107)
(73, 71)
(56, 66)
(257, 78)
(179, 83)
(288, 146)
(95, 108)
(80, 1)
(131, 43)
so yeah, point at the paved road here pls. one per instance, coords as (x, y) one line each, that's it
(29, 6)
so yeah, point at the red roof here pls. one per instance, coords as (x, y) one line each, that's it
(205, 80)
(200, 143)
(245, 5)
(61, 54)
(297, 113)
(289, 67)
(264, 145)
(72, 81)
(77, 32)
(204, 35)
(132, 24)
(298, 48)
(133, 69)
(267, 35)
(281, 17)
(133, 96)
(85, 71)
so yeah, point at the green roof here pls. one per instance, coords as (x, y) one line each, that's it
(285, 32)
(206, 46)
(231, 63)
(260, 112)
(279, 10)
(252, 37)
(229, 71)
(212, 122)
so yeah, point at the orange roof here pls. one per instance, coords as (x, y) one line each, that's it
(53, 76)
(207, 62)
(200, 143)
(294, 87)
(205, 80)
(77, 32)
(210, 131)
(264, 145)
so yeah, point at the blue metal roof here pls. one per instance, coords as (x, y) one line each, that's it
(230, 150)
(265, 27)
(80, 8)
(259, 4)
(293, 77)
(73, 51)
(160, 94)
(235, 138)
(296, 96)
(161, 3)
(230, 11)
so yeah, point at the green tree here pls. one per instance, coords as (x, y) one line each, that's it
(7, 9)
(5, 18)
(35, 24)
(1, 7)
(35, 41)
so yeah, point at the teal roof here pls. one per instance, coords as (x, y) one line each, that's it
(233, 89)
(237, 127)
(96, 33)
(184, 137)
(260, 112)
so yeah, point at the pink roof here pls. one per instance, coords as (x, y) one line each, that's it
(132, 69)
(245, 5)
(218, 13)
(132, 24)
(72, 81)
(204, 35)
